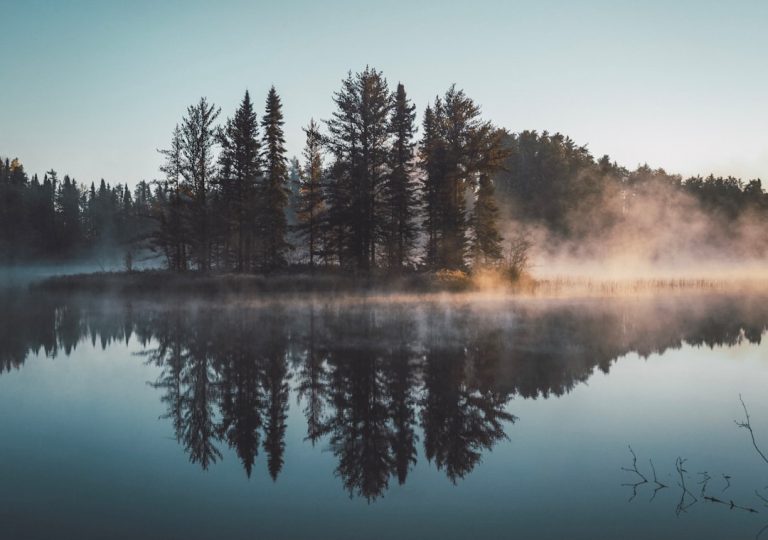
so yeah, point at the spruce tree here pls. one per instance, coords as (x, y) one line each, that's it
(68, 207)
(310, 205)
(359, 143)
(400, 189)
(240, 165)
(430, 149)
(274, 190)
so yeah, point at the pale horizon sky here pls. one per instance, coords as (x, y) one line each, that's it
(93, 88)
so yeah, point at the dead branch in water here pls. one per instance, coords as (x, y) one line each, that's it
(732, 505)
(682, 506)
(748, 426)
(704, 482)
(643, 479)
(659, 485)
(727, 479)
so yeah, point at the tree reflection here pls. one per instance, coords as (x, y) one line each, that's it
(377, 383)
(275, 382)
(241, 395)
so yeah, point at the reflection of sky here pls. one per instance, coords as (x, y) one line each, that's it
(82, 452)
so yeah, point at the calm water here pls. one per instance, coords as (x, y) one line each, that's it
(428, 419)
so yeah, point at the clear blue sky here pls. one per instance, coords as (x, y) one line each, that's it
(92, 88)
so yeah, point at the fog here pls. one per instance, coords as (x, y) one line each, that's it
(655, 231)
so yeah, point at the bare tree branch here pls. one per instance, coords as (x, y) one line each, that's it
(748, 426)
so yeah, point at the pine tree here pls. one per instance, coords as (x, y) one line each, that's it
(400, 189)
(358, 141)
(274, 190)
(459, 148)
(198, 139)
(172, 233)
(68, 207)
(240, 163)
(310, 207)
(487, 239)
(431, 161)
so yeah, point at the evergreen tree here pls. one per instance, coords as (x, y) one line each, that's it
(274, 190)
(461, 148)
(172, 234)
(311, 206)
(198, 137)
(358, 140)
(240, 163)
(68, 206)
(431, 150)
(400, 189)
(487, 239)
(294, 186)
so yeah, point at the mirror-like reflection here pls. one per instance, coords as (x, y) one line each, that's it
(380, 384)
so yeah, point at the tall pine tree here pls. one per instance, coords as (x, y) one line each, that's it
(172, 234)
(461, 148)
(358, 141)
(400, 189)
(198, 140)
(240, 166)
(274, 190)
(311, 206)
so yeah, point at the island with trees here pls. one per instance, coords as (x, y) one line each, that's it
(374, 195)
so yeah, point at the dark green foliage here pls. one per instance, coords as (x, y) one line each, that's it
(544, 174)
(458, 148)
(487, 239)
(172, 235)
(400, 189)
(310, 207)
(240, 171)
(274, 190)
(358, 142)
(59, 220)
(198, 137)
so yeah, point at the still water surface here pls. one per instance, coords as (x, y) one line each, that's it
(382, 419)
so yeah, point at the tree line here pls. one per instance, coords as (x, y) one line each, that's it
(367, 193)
(56, 219)
(361, 198)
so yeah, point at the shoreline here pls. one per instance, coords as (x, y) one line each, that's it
(414, 286)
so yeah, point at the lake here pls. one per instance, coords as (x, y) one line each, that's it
(437, 417)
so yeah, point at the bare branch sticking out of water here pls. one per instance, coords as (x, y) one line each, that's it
(732, 505)
(643, 479)
(659, 485)
(686, 493)
(765, 501)
(727, 479)
(704, 481)
(748, 426)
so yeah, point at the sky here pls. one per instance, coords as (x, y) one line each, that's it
(94, 88)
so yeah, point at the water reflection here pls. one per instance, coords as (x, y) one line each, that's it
(378, 383)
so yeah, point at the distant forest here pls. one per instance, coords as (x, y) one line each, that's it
(367, 194)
